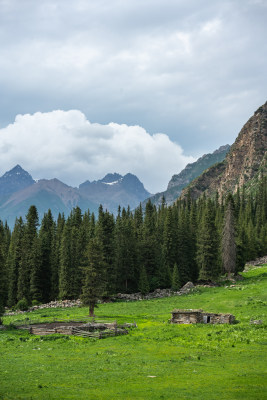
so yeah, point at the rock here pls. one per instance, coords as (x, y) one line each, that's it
(187, 287)
(255, 263)
(157, 294)
(256, 321)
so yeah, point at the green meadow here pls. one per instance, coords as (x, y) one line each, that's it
(156, 360)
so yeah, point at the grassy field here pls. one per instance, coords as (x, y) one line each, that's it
(155, 361)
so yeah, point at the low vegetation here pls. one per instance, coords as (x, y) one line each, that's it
(157, 360)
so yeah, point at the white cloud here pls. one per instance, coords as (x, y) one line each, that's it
(64, 144)
(169, 66)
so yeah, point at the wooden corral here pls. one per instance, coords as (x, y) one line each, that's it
(200, 317)
(90, 329)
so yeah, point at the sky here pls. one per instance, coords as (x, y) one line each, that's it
(142, 86)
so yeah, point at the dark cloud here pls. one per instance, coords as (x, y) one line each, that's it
(195, 69)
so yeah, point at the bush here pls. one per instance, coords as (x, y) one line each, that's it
(35, 303)
(22, 305)
(2, 310)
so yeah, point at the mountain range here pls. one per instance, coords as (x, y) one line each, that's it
(18, 191)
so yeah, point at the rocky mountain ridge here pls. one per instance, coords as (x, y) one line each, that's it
(244, 164)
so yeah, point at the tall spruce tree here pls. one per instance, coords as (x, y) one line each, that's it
(125, 259)
(228, 239)
(3, 275)
(36, 278)
(14, 260)
(105, 229)
(151, 251)
(55, 256)
(78, 243)
(4, 239)
(208, 245)
(65, 283)
(28, 258)
(183, 246)
(143, 285)
(176, 283)
(169, 246)
(46, 238)
(94, 272)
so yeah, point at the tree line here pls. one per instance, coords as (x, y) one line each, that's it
(140, 250)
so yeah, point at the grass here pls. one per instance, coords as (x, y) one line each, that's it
(155, 361)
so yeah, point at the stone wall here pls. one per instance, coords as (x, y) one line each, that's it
(199, 316)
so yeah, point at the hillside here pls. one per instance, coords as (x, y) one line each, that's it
(188, 174)
(244, 164)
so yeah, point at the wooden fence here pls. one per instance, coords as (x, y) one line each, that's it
(98, 330)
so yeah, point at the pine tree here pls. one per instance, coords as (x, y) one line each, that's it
(138, 237)
(55, 256)
(14, 261)
(183, 259)
(36, 281)
(194, 272)
(4, 238)
(46, 237)
(94, 270)
(28, 257)
(176, 284)
(241, 250)
(143, 285)
(151, 251)
(78, 243)
(207, 245)
(65, 270)
(3, 274)
(105, 235)
(125, 252)
(169, 246)
(228, 239)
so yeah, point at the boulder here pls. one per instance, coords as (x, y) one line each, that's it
(187, 287)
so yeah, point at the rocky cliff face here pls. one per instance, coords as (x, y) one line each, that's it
(190, 172)
(246, 160)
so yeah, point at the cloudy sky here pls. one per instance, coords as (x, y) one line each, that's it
(143, 86)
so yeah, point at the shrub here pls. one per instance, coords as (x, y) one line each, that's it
(35, 303)
(22, 305)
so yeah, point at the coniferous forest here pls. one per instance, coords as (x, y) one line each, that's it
(141, 250)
